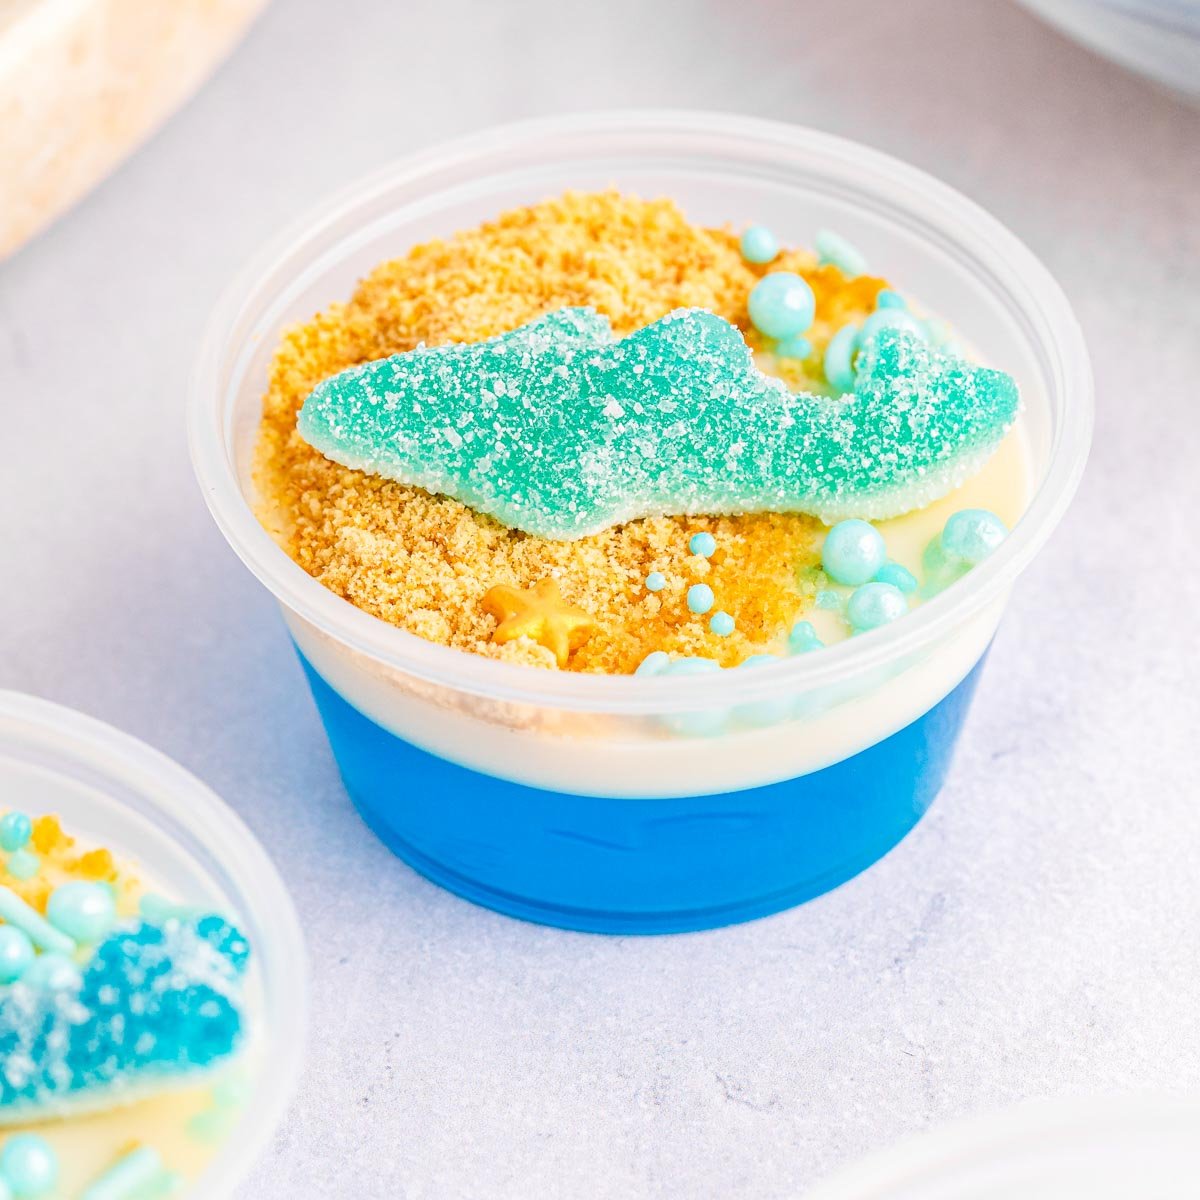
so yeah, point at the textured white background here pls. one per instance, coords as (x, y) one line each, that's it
(1036, 935)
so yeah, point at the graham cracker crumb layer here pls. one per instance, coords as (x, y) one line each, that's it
(424, 562)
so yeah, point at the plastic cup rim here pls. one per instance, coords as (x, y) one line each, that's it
(1008, 258)
(118, 756)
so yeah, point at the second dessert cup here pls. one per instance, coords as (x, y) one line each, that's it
(616, 803)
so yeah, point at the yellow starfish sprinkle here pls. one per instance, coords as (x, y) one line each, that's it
(540, 614)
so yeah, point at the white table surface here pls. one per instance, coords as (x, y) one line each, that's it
(1035, 936)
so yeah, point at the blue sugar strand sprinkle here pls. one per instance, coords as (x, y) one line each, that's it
(15, 831)
(834, 249)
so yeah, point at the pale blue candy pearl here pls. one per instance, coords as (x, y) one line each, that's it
(721, 623)
(705, 722)
(655, 581)
(891, 318)
(901, 577)
(782, 305)
(972, 534)
(53, 972)
(794, 347)
(84, 911)
(803, 638)
(833, 248)
(853, 551)
(700, 598)
(655, 663)
(15, 831)
(23, 864)
(16, 953)
(29, 1165)
(839, 358)
(763, 712)
(887, 298)
(875, 604)
(703, 544)
(759, 244)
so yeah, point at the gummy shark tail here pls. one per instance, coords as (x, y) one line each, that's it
(561, 430)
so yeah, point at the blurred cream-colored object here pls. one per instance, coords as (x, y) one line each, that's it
(83, 82)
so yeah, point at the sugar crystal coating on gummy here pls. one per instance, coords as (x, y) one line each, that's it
(154, 1003)
(561, 430)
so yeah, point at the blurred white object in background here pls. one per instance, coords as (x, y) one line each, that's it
(83, 82)
(1132, 1148)
(1158, 38)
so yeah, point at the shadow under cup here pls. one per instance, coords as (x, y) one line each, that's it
(634, 805)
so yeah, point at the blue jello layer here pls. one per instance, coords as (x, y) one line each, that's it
(651, 865)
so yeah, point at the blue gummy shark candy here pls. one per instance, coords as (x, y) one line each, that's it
(560, 429)
(155, 1005)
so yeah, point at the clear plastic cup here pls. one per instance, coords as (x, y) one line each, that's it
(634, 804)
(115, 791)
(1096, 1149)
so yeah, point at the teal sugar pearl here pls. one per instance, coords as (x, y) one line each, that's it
(839, 358)
(23, 864)
(970, 535)
(797, 346)
(655, 663)
(84, 911)
(886, 298)
(759, 244)
(891, 318)
(703, 544)
(53, 972)
(782, 305)
(655, 581)
(898, 576)
(803, 638)
(16, 953)
(721, 624)
(833, 248)
(700, 598)
(15, 831)
(853, 551)
(29, 1165)
(875, 604)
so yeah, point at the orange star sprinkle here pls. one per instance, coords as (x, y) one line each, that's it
(540, 614)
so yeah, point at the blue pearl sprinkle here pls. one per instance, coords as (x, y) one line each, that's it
(700, 598)
(759, 244)
(84, 911)
(853, 552)
(891, 318)
(839, 358)
(803, 638)
(29, 1165)
(15, 831)
(898, 576)
(782, 305)
(886, 298)
(875, 604)
(703, 544)
(971, 535)
(834, 249)
(797, 346)
(23, 864)
(655, 581)
(721, 623)
(655, 663)
(16, 953)
(54, 972)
